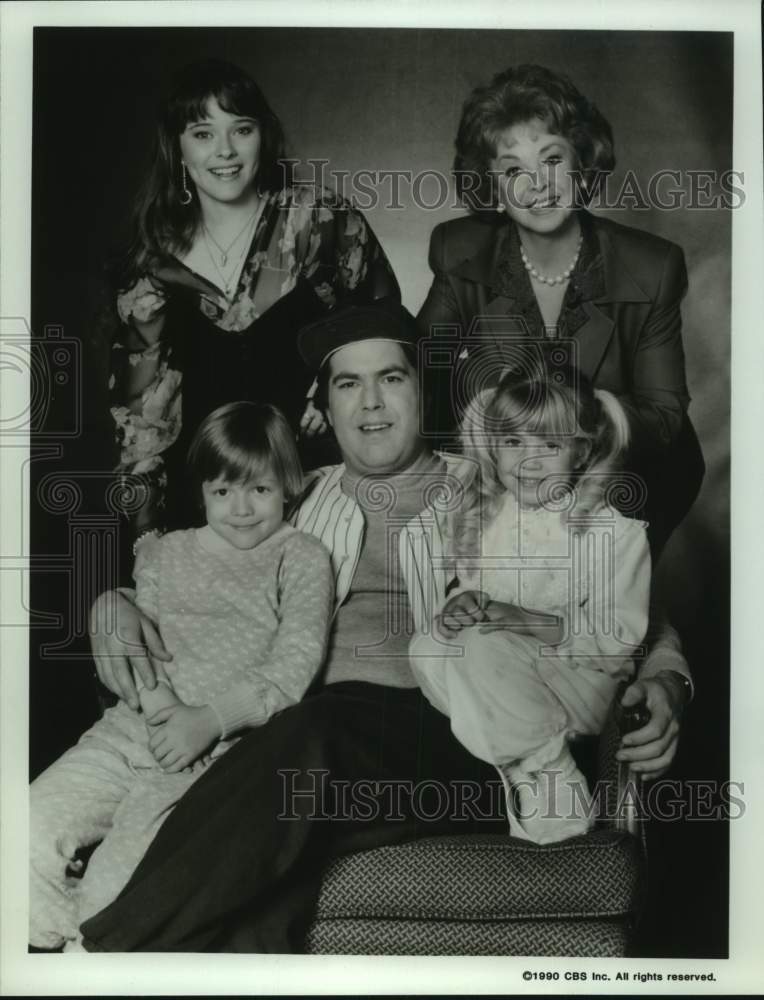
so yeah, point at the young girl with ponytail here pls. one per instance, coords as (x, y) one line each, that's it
(552, 591)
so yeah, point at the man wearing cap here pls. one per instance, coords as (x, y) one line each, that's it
(237, 865)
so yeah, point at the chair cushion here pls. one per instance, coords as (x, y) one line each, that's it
(601, 938)
(487, 877)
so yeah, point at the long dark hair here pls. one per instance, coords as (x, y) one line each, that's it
(161, 222)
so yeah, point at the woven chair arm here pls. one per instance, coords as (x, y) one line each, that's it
(617, 786)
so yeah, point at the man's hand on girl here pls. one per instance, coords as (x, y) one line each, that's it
(121, 639)
(182, 734)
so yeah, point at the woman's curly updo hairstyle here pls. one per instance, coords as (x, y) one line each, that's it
(518, 95)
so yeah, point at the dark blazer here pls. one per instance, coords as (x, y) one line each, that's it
(628, 336)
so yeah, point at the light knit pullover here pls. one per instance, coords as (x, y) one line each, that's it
(247, 629)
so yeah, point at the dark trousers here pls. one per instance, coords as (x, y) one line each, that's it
(237, 866)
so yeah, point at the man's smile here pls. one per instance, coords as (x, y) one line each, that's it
(370, 428)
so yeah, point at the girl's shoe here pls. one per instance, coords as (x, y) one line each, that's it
(548, 805)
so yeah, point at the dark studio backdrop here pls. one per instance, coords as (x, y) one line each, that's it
(373, 99)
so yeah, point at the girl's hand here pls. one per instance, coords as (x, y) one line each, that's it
(548, 628)
(181, 735)
(313, 422)
(499, 614)
(461, 611)
(161, 697)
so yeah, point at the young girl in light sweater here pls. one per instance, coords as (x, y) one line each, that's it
(552, 593)
(243, 604)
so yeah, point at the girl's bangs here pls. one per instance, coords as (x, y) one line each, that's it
(244, 467)
(193, 108)
(232, 100)
(545, 412)
(186, 111)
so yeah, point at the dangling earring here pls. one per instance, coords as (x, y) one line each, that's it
(187, 196)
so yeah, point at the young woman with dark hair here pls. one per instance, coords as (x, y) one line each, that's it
(228, 260)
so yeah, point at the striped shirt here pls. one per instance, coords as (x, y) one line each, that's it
(335, 515)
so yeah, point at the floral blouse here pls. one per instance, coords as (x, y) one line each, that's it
(301, 233)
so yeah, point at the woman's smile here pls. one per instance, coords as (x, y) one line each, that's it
(535, 176)
(545, 205)
(225, 173)
(222, 155)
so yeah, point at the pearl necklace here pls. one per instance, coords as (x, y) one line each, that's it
(560, 279)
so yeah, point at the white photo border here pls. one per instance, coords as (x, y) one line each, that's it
(197, 974)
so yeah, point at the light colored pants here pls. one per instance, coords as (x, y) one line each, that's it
(108, 787)
(508, 704)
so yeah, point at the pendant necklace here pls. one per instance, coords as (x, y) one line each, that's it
(228, 280)
(225, 251)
